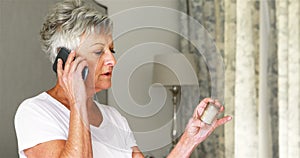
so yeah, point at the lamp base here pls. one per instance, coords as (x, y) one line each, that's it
(175, 91)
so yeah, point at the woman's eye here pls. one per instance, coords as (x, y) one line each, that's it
(99, 52)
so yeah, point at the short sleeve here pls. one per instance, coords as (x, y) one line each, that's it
(34, 125)
(130, 140)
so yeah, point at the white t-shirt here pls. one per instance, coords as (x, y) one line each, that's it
(43, 118)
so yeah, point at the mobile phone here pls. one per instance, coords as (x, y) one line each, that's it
(63, 54)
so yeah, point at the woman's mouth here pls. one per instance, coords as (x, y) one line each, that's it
(108, 74)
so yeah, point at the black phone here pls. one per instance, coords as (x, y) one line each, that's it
(63, 54)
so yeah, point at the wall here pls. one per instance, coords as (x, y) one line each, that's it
(25, 70)
(133, 48)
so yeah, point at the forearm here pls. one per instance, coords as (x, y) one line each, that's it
(79, 138)
(183, 148)
(136, 153)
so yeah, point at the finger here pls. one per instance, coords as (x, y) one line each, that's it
(208, 100)
(221, 109)
(80, 68)
(219, 106)
(83, 63)
(59, 70)
(223, 121)
(199, 111)
(69, 61)
(217, 103)
(196, 123)
(75, 64)
(201, 107)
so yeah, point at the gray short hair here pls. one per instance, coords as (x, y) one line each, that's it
(66, 22)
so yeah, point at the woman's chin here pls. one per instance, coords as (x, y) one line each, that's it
(103, 87)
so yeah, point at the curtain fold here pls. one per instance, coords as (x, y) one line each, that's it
(230, 60)
(282, 24)
(212, 19)
(261, 51)
(288, 77)
(245, 86)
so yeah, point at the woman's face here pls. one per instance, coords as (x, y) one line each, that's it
(98, 49)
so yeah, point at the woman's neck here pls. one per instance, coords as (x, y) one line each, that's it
(94, 113)
(59, 94)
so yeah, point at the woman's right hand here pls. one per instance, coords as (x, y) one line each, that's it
(78, 143)
(70, 79)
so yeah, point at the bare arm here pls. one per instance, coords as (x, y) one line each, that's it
(136, 153)
(78, 143)
(197, 131)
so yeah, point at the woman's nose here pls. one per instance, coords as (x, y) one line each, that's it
(109, 59)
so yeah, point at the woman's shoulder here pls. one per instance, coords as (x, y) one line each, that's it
(40, 104)
(33, 101)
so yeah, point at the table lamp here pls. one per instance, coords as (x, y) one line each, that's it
(174, 70)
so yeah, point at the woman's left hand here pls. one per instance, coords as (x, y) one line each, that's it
(196, 130)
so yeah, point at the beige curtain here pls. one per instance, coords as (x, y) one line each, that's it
(288, 77)
(260, 45)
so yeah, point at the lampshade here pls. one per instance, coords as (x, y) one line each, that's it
(174, 69)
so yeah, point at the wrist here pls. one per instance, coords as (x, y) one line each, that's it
(79, 110)
(188, 143)
(184, 147)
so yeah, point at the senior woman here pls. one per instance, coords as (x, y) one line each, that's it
(65, 121)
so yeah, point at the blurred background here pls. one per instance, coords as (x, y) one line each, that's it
(256, 44)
